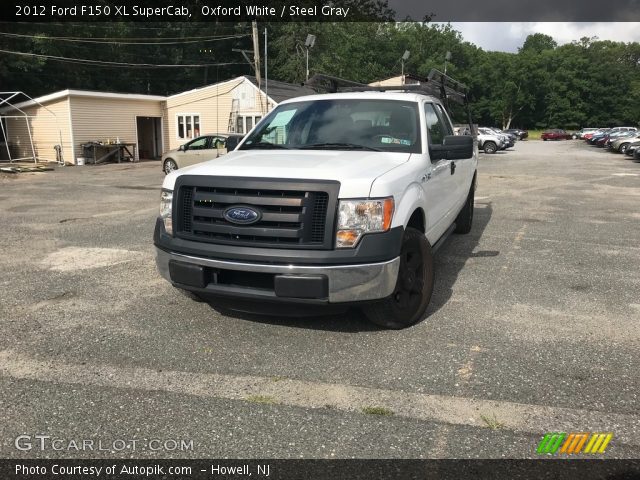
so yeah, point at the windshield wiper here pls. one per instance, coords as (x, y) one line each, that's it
(339, 146)
(264, 145)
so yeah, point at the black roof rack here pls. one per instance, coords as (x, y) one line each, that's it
(437, 84)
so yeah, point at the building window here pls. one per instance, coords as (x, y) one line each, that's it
(244, 123)
(188, 126)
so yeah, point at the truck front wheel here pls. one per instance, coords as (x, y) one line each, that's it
(411, 296)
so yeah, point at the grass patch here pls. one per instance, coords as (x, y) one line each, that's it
(266, 399)
(492, 423)
(377, 411)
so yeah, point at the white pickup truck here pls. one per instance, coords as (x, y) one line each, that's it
(333, 200)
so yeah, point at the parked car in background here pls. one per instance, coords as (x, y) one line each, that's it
(520, 134)
(624, 129)
(581, 133)
(488, 141)
(589, 135)
(508, 140)
(595, 138)
(620, 143)
(632, 148)
(555, 134)
(200, 149)
(613, 135)
(602, 140)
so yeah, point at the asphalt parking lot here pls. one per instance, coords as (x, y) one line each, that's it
(534, 327)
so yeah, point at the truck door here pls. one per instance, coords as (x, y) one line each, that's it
(463, 167)
(439, 184)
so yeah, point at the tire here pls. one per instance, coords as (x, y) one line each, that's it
(414, 286)
(464, 220)
(623, 147)
(489, 147)
(169, 166)
(544, 139)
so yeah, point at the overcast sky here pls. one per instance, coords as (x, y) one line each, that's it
(508, 36)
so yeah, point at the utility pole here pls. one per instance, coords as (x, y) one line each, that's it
(256, 50)
(256, 56)
(266, 81)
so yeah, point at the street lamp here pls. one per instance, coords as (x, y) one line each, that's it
(405, 56)
(310, 42)
(447, 56)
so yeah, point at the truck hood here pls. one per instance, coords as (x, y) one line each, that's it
(355, 170)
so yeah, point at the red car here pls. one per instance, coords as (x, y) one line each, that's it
(555, 134)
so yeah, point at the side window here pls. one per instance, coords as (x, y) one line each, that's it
(434, 125)
(446, 123)
(199, 143)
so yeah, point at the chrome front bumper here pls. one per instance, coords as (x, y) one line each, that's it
(347, 283)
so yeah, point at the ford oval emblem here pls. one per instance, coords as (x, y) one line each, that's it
(242, 215)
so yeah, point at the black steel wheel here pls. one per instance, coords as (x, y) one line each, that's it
(414, 286)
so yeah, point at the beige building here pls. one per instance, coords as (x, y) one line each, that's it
(407, 79)
(71, 118)
(154, 124)
(234, 106)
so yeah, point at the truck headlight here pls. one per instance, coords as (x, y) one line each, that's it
(166, 201)
(360, 216)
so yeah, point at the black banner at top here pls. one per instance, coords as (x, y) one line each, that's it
(319, 10)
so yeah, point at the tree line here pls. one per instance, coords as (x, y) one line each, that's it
(588, 82)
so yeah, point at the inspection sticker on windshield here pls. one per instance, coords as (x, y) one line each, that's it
(398, 141)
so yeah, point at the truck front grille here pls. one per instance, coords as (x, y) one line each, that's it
(294, 214)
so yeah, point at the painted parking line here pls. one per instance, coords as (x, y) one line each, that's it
(445, 409)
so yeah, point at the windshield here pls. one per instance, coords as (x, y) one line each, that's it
(340, 124)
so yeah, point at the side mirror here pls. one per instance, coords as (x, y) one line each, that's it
(454, 147)
(182, 148)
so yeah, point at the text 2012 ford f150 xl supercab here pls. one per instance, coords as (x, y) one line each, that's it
(336, 199)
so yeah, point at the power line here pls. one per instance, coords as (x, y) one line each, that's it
(138, 41)
(110, 25)
(84, 61)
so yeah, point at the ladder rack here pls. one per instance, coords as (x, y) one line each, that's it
(437, 84)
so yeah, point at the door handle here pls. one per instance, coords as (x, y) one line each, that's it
(453, 168)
